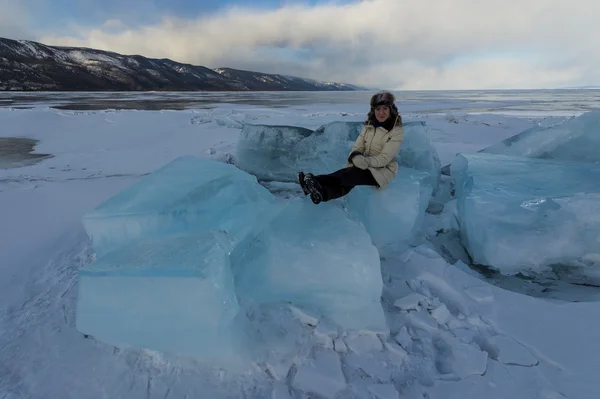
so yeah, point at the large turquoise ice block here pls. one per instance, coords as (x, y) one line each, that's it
(393, 216)
(171, 294)
(187, 195)
(316, 258)
(519, 213)
(577, 139)
(279, 152)
(418, 152)
(270, 152)
(327, 149)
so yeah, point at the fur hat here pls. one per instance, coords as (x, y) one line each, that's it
(388, 99)
(383, 98)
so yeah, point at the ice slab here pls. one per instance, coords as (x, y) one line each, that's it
(172, 294)
(519, 214)
(279, 152)
(578, 139)
(327, 149)
(466, 360)
(269, 152)
(384, 391)
(322, 377)
(318, 259)
(340, 131)
(394, 215)
(418, 152)
(188, 194)
(363, 342)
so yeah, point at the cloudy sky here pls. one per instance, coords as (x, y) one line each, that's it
(390, 44)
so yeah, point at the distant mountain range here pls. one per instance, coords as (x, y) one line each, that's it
(583, 87)
(28, 65)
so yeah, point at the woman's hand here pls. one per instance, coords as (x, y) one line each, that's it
(360, 162)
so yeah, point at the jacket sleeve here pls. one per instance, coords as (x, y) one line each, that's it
(390, 150)
(359, 144)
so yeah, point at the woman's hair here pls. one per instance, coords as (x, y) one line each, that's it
(384, 98)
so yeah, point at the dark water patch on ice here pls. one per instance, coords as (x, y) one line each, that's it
(16, 152)
(127, 105)
(570, 283)
(564, 283)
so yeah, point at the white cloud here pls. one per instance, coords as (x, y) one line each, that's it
(14, 20)
(394, 44)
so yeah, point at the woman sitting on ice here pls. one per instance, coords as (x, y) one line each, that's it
(372, 161)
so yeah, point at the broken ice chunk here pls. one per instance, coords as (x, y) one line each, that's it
(325, 333)
(403, 338)
(363, 342)
(269, 152)
(279, 152)
(441, 314)
(323, 376)
(340, 346)
(187, 195)
(469, 360)
(326, 328)
(420, 325)
(398, 354)
(436, 287)
(171, 294)
(575, 140)
(411, 302)
(466, 360)
(384, 391)
(334, 271)
(394, 215)
(418, 152)
(304, 317)
(518, 214)
(324, 341)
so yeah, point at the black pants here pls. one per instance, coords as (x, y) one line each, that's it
(341, 182)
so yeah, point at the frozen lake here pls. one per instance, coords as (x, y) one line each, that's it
(515, 102)
(453, 334)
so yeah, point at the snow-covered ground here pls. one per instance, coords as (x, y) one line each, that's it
(454, 334)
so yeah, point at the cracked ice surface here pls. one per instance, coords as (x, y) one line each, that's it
(43, 247)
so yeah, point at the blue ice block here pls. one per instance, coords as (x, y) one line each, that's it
(418, 152)
(392, 216)
(518, 213)
(279, 152)
(171, 294)
(577, 139)
(187, 195)
(269, 152)
(316, 258)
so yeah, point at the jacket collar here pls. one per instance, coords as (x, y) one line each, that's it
(369, 124)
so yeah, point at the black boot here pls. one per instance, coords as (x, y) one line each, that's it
(314, 188)
(302, 183)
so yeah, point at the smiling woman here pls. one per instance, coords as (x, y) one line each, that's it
(372, 160)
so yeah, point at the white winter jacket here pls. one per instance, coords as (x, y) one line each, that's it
(380, 148)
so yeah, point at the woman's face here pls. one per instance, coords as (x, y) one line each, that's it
(382, 112)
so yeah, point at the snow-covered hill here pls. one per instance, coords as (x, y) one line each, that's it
(28, 65)
(263, 81)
